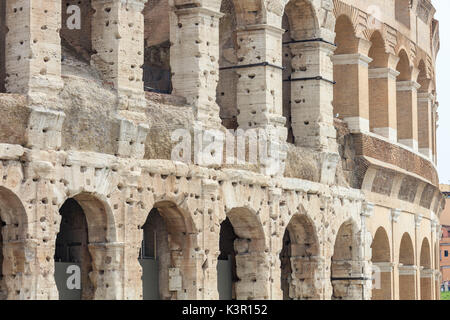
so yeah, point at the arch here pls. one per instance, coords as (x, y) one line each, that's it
(226, 91)
(423, 78)
(407, 269)
(299, 259)
(346, 40)
(377, 51)
(303, 21)
(426, 275)
(381, 265)
(157, 71)
(99, 216)
(348, 92)
(87, 224)
(242, 238)
(379, 98)
(404, 66)
(345, 264)
(169, 236)
(13, 227)
(407, 123)
(402, 12)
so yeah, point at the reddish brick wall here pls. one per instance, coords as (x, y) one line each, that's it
(384, 151)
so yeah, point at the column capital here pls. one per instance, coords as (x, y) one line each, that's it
(259, 27)
(425, 96)
(407, 85)
(383, 73)
(418, 219)
(354, 58)
(367, 210)
(405, 270)
(200, 11)
(395, 214)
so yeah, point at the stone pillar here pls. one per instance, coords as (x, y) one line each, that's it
(382, 288)
(426, 284)
(407, 132)
(194, 58)
(351, 92)
(20, 271)
(424, 110)
(253, 271)
(434, 128)
(305, 283)
(383, 99)
(407, 281)
(33, 49)
(108, 270)
(118, 42)
(312, 95)
(259, 89)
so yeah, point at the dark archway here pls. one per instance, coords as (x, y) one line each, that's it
(157, 71)
(242, 240)
(86, 223)
(226, 264)
(76, 28)
(72, 255)
(299, 260)
(169, 236)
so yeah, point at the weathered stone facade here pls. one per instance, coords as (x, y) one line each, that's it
(86, 164)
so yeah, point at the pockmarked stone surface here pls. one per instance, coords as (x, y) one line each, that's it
(219, 149)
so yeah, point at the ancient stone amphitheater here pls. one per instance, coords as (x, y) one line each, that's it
(93, 204)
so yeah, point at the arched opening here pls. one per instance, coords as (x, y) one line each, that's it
(299, 260)
(3, 31)
(226, 264)
(287, 72)
(424, 111)
(86, 223)
(402, 12)
(13, 222)
(244, 276)
(381, 266)
(228, 77)
(72, 255)
(76, 31)
(405, 105)
(426, 272)
(347, 93)
(165, 255)
(157, 71)
(154, 255)
(381, 87)
(346, 269)
(407, 269)
(301, 49)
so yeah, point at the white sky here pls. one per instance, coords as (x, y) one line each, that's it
(443, 90)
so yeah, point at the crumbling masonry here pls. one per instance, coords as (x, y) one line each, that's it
(344, 89)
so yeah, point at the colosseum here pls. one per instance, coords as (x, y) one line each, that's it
(219, 149)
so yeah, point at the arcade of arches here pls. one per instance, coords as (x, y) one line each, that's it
(93, 206)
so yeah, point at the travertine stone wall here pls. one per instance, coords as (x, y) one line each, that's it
(348, 199)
